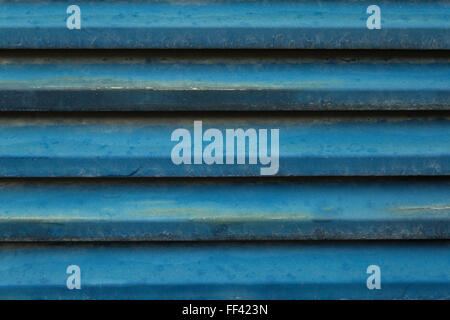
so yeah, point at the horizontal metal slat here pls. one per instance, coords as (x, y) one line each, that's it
(223, 210)
(283, 145)
(216, 81)
(322, 270)
(401, 24)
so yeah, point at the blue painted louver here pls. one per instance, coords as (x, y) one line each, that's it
(148, 146)
(301, 270)
(308, 24)
(215, 81)
(118, 210)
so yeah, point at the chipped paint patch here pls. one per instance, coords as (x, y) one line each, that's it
(415, 209)
(243, 218)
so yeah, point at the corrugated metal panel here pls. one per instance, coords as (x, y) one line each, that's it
(345, 24)
(216, 81)
(224, 210)
(318, 270)
(178, 211)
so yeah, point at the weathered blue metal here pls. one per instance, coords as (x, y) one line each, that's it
(167, 225)
(224, 210)
(194, 81)
(148, 146)
(302, 270)
(349, 24)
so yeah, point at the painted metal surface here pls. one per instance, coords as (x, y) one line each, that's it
(145, 228)
(217, 81)
(141, 145)
(319, 270)
(404, 24)
(224, 210)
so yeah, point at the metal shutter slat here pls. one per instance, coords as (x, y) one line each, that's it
(216, 81)
(318, 270)
(224, 210)
(226, 24)
(141, 146)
